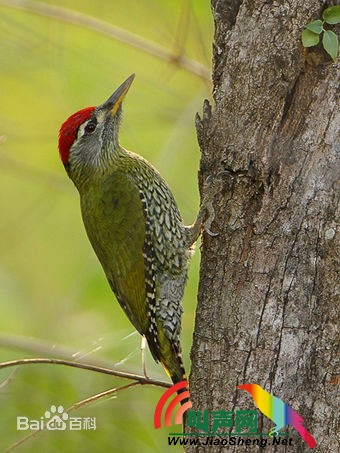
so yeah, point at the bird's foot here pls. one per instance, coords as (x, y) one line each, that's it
(211, 187)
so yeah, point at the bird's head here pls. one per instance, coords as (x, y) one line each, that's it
(247, 387)
(88, 139)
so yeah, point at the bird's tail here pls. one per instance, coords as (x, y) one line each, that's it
(174, 367)
(169, 353)
(306, 436)
(178, 373)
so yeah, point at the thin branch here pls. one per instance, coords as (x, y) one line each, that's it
(86, 366)
(138, 380)
(112, 31)
(8, 380)
(99, 396)
(21, 441)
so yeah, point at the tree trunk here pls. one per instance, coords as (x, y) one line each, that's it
(267, 304)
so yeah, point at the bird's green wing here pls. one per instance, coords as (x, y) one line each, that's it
(115, 225)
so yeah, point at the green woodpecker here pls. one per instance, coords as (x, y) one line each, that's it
(134, 225)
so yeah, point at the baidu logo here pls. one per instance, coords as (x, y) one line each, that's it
(56, 419)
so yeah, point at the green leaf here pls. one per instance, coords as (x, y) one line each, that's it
(331, 15)
(330, 43)
(309, 38)
(315, 26)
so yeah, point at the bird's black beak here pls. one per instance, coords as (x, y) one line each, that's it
(115, 101)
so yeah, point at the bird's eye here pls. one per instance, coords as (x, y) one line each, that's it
(90, 127)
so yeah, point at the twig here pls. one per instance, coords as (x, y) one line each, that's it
(8, 380)
(86, 366)
(99, 396)
(138, 380)
(112, 31)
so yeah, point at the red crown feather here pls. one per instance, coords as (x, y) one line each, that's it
(69, 129)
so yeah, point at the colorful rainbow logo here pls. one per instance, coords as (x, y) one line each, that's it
(278, 411)
(157, 420)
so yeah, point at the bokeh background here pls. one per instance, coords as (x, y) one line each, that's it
(55, 301)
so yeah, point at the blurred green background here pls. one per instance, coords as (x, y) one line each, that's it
(54, 298)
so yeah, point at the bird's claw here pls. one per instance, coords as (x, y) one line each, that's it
(223, 173)
(212, 185)
(211, 233)
(210, 188)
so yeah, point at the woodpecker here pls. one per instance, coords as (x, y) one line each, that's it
(134, 225)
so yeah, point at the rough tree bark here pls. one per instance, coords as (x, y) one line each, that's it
(267, 305)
